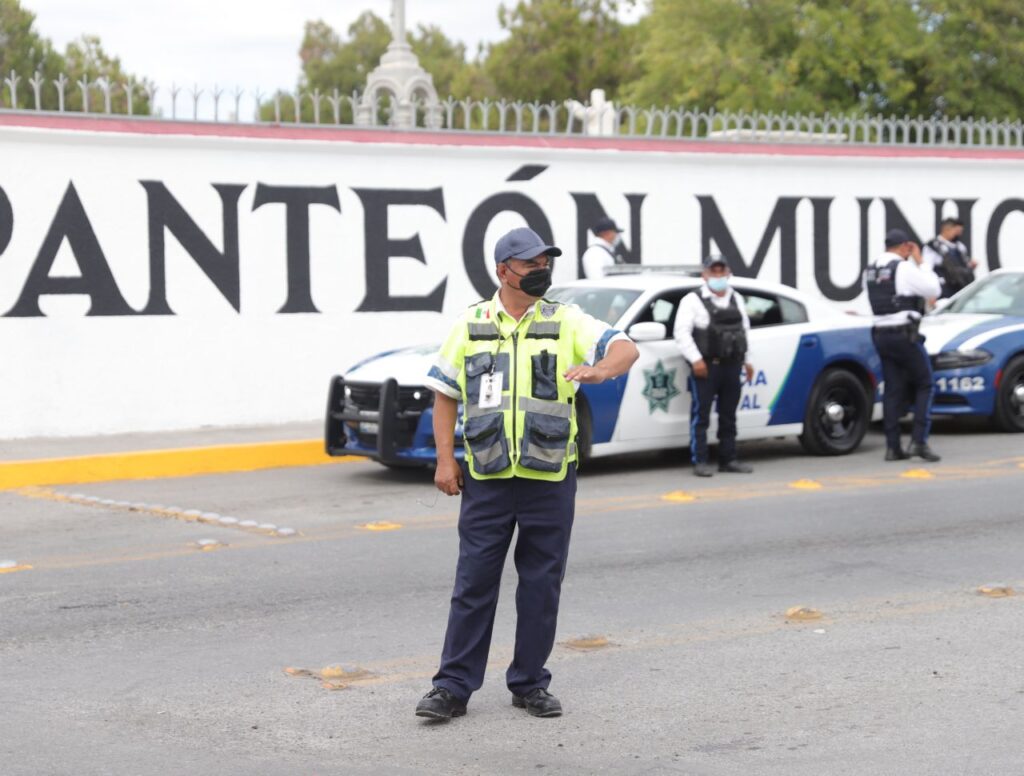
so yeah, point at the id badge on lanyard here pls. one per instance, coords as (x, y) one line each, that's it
(490, 390)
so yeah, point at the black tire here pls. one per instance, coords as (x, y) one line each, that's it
(584, 429)
(824, 432)
(1009, 412)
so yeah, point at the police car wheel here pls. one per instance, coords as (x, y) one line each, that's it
(1009, 414)
(837, 414)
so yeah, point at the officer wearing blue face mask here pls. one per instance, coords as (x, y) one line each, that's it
(711, 331)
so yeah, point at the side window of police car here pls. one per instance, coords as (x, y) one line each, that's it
(765, 309)
(662, 309)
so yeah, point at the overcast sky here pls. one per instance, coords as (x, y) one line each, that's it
(247, 43)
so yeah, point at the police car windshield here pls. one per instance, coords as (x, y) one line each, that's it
(995, 295)
(605, 304)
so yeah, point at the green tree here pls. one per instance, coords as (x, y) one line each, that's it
(978, 68)
(26, 52)
(561, 49)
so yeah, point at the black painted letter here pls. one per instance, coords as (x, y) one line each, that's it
(219, 266)
(782, 221)
(380, 248)
(296, 201)
(476, 229)
(95, 281)
(6, 221)
(995, 225)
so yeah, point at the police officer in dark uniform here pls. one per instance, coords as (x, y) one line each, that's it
(711, 331)
(513, 362)
(948, 257)
(900, 285)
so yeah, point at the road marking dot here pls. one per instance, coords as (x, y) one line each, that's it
(12, 567)
(996, 591)
(336, 677)
(247, 524)
(267, 527)
(206, 545)
(917, 474)
(381, 525)
(805, 485)
(228, 521)
(286, 532)
(802, 613)
(679, 497)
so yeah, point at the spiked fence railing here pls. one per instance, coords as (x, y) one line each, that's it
(313, 107)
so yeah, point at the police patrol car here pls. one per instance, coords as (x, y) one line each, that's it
(816, 375)
(976, 343)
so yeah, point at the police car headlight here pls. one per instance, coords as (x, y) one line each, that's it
(960, 359)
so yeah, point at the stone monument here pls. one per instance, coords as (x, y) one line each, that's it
(399, 74)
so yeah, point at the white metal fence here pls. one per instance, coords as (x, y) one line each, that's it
(63, 95)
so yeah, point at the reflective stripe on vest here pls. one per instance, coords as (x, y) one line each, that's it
(556, 409)
(483, 331)
(544, 330)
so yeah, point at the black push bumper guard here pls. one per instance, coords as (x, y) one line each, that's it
(387, 417)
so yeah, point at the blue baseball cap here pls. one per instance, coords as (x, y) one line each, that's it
(523, 243)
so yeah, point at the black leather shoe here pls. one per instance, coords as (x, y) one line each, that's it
(897, 454)
(735, 467)
(703, 470)
(440, 704)
(539, 703)
(921, 450)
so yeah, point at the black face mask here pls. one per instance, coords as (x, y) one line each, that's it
(535, 283)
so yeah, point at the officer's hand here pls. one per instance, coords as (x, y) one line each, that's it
(973, 264)
(700, 369)
(586, 374)
(915, 253)
(749, 369)
(448, 476)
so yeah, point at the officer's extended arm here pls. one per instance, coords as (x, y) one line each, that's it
(448, 476)
(620, 357)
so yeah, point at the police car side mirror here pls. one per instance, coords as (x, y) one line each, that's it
(647, 332)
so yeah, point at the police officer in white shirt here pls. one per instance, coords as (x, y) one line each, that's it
(900, 285)
(948, 257)
(602, 253)
(711, 331)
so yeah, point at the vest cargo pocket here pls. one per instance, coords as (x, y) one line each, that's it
(545, 442)
(545, 375)
(485, 436)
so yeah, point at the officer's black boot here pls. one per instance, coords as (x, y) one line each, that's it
(735, 467)
(440, 704)
(703, 470)
(896, 454)
(921, 450)
(538, 703)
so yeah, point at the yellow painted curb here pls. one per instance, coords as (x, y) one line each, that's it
(156, 464)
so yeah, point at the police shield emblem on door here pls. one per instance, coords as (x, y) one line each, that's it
(659, 388)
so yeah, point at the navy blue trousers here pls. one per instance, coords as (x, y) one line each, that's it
(491, 510)
(907, 372)
(723, 383)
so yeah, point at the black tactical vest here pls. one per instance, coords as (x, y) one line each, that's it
(953, 269)
(881, 288)
(724, 339)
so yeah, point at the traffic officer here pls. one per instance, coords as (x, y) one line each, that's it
(900, 285)
(602, 253)
(514, 362)
(711, 331)
(949, 259)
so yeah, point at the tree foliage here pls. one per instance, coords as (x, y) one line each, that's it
(24, 51)
(920, 57)
(561, 49)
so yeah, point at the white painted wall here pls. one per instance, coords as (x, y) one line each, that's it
(70, 374)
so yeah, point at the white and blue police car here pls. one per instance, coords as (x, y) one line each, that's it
(976, 344)
(816, 376)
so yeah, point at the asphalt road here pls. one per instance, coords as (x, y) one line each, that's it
(127, 649)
